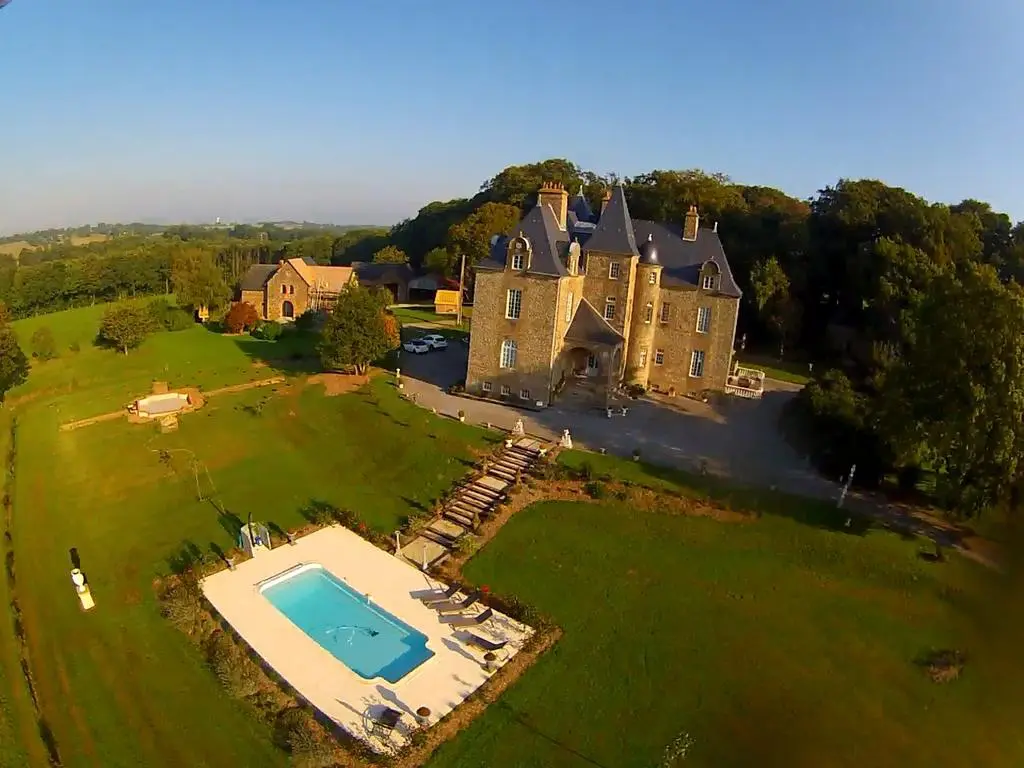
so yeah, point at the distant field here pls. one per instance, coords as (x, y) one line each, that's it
(18, 246)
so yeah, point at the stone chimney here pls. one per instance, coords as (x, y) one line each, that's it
(554, 194)
(692, 224)
(605, 200)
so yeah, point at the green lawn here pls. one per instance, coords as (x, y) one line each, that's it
(771, 642)
(426, 314)
(783, 370)
(119, 686)
(94, 380)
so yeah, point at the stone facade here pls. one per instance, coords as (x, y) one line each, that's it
(662, 315)
(283, 292)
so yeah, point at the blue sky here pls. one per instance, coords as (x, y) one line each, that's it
(364, 110)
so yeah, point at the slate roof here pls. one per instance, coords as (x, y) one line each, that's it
(614, 230)
(549, 242)
(681, 260)
(375, 273)
(580, 208)
(588, 326)
(257, 276)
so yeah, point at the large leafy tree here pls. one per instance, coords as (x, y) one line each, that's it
(13, 362)
(197, 279)
(955, 400)
(358, 331)
(472, 236)
(441, 261)
(125, 326)
(774, 301)
(390, 254)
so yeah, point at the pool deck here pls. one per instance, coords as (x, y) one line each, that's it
(441, 683)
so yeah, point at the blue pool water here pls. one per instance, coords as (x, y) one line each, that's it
(362, 636)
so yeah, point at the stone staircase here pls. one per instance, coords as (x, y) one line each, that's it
(471, 502)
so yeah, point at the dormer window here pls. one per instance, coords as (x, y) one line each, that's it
(709, 282)
(518, 254)
(709, 276)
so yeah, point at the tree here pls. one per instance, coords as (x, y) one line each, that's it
(390, 254)
(13, 363)
(773, 299)
(197, 279)
(241, 317)
(42, 344)
(358, 331)
(954, 402)
(125, 326)
(472, 236)
(440, 261)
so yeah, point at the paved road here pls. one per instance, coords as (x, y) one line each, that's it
(737, 439)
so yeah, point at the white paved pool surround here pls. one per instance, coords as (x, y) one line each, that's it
(441, 683)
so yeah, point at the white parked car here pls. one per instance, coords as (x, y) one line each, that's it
(435, 341)
(416, 346)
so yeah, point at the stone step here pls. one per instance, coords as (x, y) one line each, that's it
(492, 484)
(474, 498)
(447, 528)
(460, 518)
(504, 474)
(512, 465)
(468, 512)
(482, 490)
(422, 551)
(438, 538)
(513, 458)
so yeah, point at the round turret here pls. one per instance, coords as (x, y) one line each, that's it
(649, 251)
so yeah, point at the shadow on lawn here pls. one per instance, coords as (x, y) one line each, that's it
(813, 512)
(516, 717)
(293, 352)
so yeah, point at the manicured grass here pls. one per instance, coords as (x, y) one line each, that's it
(91, 380)
(783, 370)
(427, 315)
(119, 686)
(770, 642)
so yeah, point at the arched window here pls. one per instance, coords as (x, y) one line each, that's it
(508, 353)
(649, 312)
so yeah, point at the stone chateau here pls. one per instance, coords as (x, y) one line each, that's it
(574, 302)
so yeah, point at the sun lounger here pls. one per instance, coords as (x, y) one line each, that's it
(472, 638)
(454, 606)
(468, 621)
(440, 597)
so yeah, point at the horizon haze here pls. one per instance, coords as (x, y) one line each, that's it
(336, 113)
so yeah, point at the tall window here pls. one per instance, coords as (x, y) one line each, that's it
(709, 282)
(609, 308)
(517, 259)
(652, 279)
(649, 312)
(284, 290)
(697, 363)
(664, 312)
(659, 357)
(568, 307)
(508, 353)
(643, 356)
(613, 270)
(291, 289)
(703, 319)
(513, 303)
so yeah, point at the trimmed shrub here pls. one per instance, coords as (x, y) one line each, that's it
(268, 331)
(595, 489)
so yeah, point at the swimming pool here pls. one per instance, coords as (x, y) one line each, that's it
(362, 636)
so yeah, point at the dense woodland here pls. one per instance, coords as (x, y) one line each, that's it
(911, 311)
